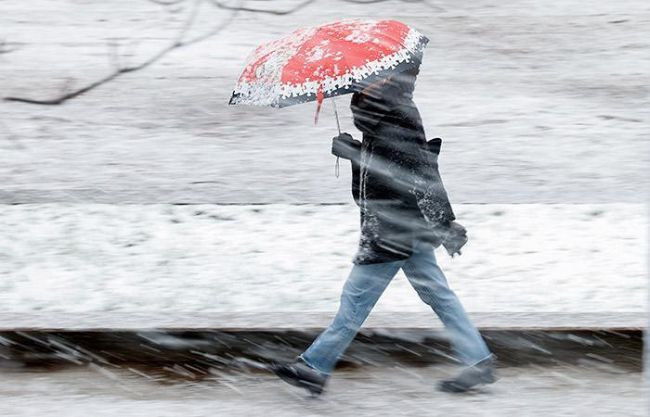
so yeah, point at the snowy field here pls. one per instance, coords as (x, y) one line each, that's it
(371, 391)
(98, 258)
(542, 106)
(537, 101)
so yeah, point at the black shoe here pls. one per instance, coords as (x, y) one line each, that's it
(301, 375)
(480, 374)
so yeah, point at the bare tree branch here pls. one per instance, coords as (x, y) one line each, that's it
(5, 48)
(121, 70)
(222, 5)
(426, 2)
(167, 2)
(433, 5)
(113, 54)
(365, 1)
(11, 136)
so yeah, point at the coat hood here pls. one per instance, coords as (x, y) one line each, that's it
(371, 103)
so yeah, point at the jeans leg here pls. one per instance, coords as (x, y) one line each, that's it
(361, 291)
(429, 281)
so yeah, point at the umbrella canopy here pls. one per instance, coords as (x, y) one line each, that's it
(325, 61)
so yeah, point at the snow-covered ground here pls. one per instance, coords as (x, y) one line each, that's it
(537, 101)
(371, 391)
(97, 258)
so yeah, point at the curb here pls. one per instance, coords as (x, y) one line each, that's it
(233, 340)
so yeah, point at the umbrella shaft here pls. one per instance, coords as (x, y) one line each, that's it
(336, 114)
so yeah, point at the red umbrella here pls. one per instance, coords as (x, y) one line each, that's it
(325, 61)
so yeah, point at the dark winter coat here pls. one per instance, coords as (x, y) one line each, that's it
(395, 179)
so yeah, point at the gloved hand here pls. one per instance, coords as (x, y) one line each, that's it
(346, 147)
(454, 238)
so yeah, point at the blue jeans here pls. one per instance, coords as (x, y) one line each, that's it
(363, 288)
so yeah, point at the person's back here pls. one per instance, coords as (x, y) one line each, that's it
(390, 170)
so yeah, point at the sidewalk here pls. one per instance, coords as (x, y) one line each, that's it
(377, 392)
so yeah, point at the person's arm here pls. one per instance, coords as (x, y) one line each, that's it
(346, 147)
(429, 190)
(433, 200)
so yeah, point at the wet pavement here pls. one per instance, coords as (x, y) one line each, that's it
(369, 391)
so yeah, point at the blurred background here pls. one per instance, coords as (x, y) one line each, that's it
(129, 187)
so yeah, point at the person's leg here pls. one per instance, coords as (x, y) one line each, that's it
(429, 281)
(360, 293)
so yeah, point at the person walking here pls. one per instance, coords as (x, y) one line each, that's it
(404, 215)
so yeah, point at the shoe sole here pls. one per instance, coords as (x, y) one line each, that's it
(451, 387)
(313, 388)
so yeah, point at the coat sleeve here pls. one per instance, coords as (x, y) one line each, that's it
(428, 188)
